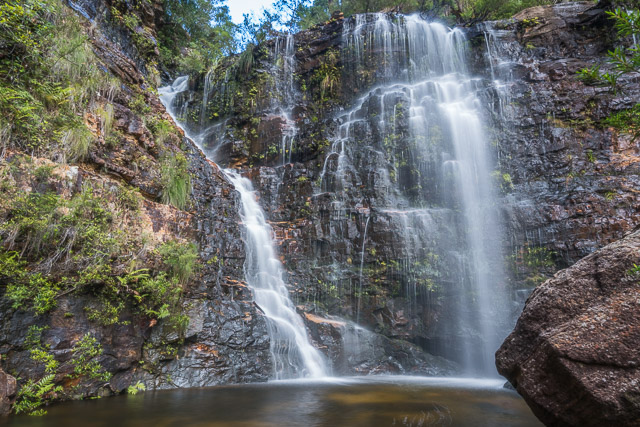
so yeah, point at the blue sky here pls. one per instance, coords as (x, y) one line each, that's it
(237, 8)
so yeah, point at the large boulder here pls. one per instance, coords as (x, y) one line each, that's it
(575, 352)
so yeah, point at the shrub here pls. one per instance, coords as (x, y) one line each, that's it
(161, 129)
(84, 359)
(74, 235)
(134, 389)
(105, 113)
(33, 394)
(175, 180)
(43, 172)
(180, 258)
(77, 141)
(48, 77)
(622, 61)
(90, 253)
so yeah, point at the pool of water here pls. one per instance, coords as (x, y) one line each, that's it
(359, 401)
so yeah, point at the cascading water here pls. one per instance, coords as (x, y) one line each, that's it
(292, 354)
(286, 92)
(423, 96)
(411, 153)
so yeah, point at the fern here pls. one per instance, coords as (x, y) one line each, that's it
(33, 395)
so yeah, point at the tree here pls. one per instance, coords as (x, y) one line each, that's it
(202, 28)
(455, 11)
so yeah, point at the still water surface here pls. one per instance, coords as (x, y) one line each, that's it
(361, 401)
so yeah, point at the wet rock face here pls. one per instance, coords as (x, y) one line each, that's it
(361, 248)
(115, 43)
(226, 340)
(353, 350)
(575, 352)
(68, 323)
(572, 177)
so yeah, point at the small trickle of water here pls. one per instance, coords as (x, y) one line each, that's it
(285, 91)
(364, 240)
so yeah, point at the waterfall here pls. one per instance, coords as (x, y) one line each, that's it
(412, 150)
(422, 111)
(285, 90)
(293, 355)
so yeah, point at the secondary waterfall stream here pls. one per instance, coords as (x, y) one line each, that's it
(293, 355)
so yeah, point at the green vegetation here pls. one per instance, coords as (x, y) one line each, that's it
(302, 14)
(533, 264)
(84, 359)
(51, 246)
(503, 181)
(33, 394)
(202, 28)
(326, 78)
(49, 77)
(161, 129)
(175, 180)
(40, 352)
(532, 22)
(536, 257)
(626, 121)
(244, 64)
(24, 287)
(622, 61)
(137, 387)
(52, 230)
(142, 39)
(181, 259)
(192, 35)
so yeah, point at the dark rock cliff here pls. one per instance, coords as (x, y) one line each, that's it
(573, 177)
(568, 183)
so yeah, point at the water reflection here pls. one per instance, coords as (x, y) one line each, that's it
(369, 401)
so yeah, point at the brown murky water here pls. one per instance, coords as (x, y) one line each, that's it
(366, 401)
